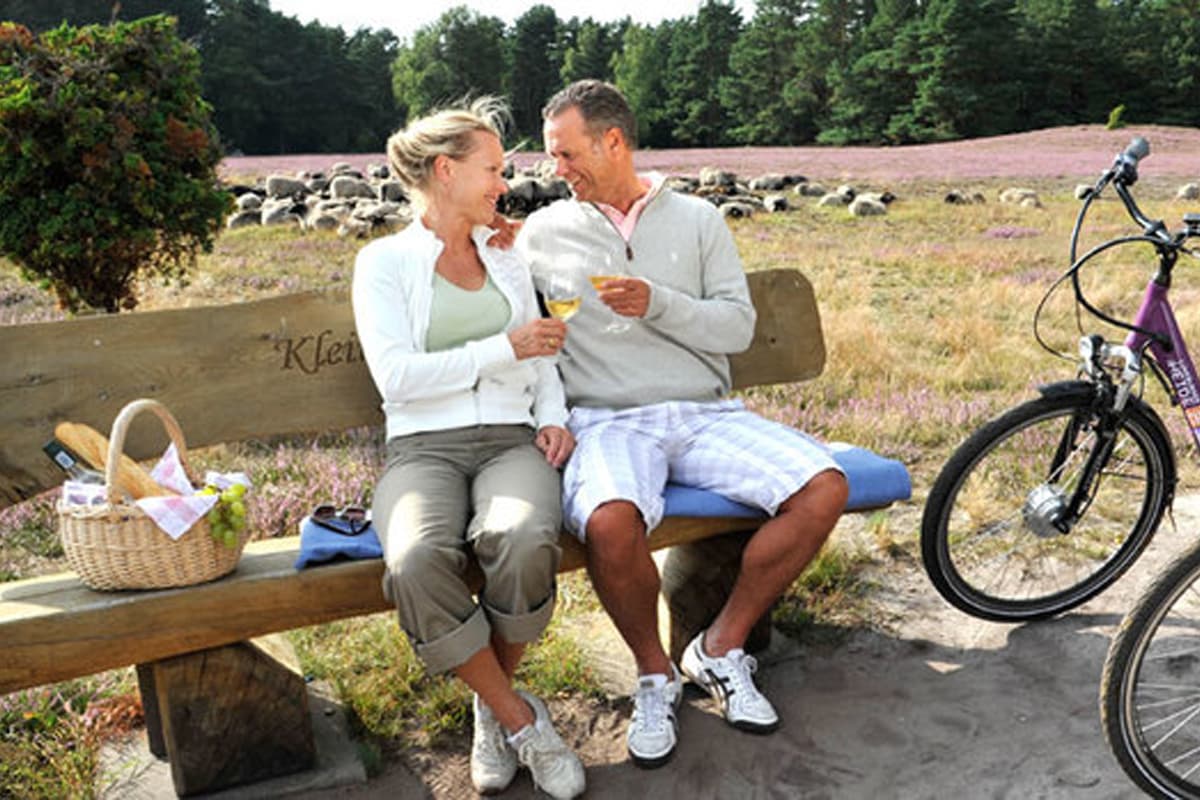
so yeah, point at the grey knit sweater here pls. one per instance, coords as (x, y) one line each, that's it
(699, 311)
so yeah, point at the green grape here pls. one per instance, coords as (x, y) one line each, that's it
(227, 519)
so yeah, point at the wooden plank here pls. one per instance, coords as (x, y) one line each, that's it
(228, 373)
(254, 370)
(54, 628)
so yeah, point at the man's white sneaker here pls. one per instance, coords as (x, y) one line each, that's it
(653, 728)
(493, 762)
(555, 769)
(728, 679)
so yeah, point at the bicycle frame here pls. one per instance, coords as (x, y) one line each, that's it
(1155, 316)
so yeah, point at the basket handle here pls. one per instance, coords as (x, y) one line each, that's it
(116, 442)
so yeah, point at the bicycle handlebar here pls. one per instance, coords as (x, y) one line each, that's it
(1123, 175)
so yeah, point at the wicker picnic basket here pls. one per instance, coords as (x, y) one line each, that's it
(115, 545)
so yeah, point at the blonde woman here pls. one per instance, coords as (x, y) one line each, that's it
(475, 412)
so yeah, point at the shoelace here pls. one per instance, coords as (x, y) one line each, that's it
(743, 667)
(652, 707)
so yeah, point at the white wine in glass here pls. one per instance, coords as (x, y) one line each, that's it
(563, 309)
(563, 295)
(619, 324)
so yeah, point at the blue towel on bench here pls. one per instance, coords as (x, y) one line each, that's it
(874, 481)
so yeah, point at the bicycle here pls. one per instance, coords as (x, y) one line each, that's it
(1048, 504)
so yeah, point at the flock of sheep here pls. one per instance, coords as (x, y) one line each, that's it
(360, 203)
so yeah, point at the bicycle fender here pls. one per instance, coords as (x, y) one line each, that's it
(1067, 388)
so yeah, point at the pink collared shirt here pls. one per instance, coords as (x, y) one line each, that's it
(625, 223)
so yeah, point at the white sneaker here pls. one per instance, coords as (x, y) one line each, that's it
(493, 762)
(728, 679)
(653, 728)
(555, 769)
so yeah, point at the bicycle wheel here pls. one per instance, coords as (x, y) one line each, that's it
(988, 538)
(1150, 689)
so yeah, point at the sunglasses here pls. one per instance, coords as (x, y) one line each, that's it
(356, 517)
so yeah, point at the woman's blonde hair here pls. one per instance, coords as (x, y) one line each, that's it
(446, 132)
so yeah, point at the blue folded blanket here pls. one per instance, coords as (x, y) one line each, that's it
(319, 544)
(874, 481)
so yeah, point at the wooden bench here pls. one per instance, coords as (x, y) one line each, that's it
(224, 706)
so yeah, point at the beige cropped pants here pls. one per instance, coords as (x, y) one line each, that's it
(486, 488)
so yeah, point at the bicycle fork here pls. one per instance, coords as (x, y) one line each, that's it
(1048, 510)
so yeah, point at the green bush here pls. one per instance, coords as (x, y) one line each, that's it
(107, 159)
(1116, 118)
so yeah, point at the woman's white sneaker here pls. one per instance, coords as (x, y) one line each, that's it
(493, 762)
(729, 680)
(653, 728)
(555, 769)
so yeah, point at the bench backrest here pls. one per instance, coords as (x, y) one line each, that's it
(254, 370)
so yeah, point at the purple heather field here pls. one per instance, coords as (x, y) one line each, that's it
(1071, 152)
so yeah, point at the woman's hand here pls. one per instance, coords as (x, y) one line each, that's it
(557, 443)
(542, 337)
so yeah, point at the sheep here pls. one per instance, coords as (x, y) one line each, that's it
(737, 210)
(806, 189)
(768, 183)
(775, 203)
(283, 186)
(249, 202)
(1023, 197)
(710, 176)
(348, 186)
(866, 205)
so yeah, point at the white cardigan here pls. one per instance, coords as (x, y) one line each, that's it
(479, 383)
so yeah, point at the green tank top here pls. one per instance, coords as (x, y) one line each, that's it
(458, 315)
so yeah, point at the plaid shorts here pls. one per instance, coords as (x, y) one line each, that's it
(631, 453)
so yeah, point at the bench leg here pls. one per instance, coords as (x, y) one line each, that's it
(232, 715)
(696, 580)
(154, 732)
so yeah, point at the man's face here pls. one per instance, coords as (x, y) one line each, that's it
(581, 159)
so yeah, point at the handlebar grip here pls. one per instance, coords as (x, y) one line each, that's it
(1138, 149)
(1125, 166)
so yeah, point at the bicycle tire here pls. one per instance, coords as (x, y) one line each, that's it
(980, 551)
(1149, 706)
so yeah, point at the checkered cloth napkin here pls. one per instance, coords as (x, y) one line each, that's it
(177, 514)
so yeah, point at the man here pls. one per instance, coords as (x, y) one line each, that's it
(650, 402)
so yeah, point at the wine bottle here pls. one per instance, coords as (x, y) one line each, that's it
(69, 463)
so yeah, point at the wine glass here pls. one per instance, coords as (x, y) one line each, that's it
(563, 293)
(598, 277)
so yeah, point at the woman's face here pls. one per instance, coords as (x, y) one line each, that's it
(476, 181)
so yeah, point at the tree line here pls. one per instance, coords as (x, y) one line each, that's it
(794, 72)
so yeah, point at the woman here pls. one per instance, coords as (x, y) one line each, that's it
(475, 411)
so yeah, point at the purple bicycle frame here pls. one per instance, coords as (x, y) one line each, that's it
(1156, 315)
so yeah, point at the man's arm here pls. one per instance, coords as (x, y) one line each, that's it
(722, 319)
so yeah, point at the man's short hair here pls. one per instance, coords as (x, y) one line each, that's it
(601, 105)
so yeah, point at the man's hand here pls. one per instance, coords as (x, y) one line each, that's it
(506, 232)
(557, 443)
(629, 297)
